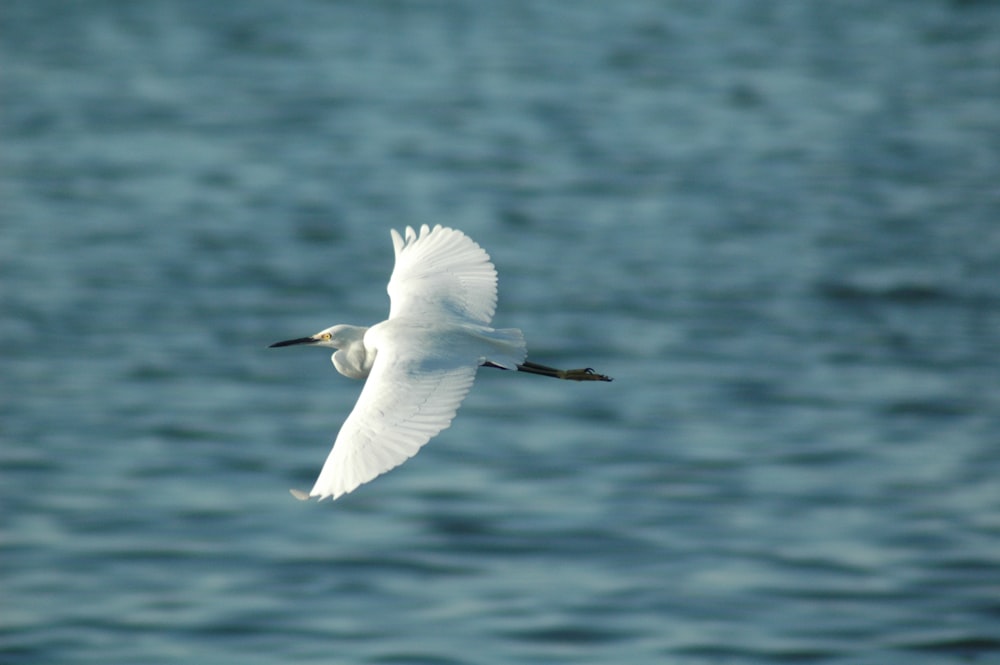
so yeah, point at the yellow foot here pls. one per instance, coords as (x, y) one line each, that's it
(585, 374)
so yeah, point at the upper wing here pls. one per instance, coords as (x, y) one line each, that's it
(404, 403)
(441, 272)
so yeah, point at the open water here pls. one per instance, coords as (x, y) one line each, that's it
(776, 224)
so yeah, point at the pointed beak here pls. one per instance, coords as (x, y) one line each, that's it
(292, 342)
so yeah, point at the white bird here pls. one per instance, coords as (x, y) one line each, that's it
(421, 361)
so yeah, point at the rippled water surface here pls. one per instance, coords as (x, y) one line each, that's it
(775, 224)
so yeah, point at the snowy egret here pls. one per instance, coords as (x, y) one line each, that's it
(421, 361)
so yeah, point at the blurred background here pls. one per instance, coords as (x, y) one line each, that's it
(777, 225)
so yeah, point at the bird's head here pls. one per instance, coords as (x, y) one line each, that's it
(334, 337)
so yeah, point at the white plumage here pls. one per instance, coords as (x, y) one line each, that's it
(441, 272)
(420, 362)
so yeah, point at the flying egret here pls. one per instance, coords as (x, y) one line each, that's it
(421, 361)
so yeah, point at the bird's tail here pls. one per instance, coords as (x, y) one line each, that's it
(508, 347)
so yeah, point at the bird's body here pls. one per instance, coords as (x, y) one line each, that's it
(420, 362)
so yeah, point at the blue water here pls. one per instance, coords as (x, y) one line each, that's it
(777, 225)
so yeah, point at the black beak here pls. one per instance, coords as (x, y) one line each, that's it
(292, 342)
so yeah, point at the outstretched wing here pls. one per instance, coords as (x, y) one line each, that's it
(407, 399)
(441, 272)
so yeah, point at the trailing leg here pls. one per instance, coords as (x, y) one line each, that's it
(585, 374)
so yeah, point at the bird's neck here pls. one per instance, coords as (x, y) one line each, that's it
(353, 359)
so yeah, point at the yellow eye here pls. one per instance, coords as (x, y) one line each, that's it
(325, 337)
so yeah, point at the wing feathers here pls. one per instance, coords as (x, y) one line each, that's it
(441, 272)
(397, 413)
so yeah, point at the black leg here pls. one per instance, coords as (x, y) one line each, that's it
(585, 374)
